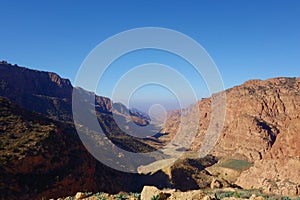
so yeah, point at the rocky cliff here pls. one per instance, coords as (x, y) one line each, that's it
(41, 153)
(43, 92)
(262, 127)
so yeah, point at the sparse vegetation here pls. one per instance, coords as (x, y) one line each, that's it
(241, 193)
(155, 197)
(135, 195)
(222, 195)
(98, 194)
(121, 196)
(88, 193)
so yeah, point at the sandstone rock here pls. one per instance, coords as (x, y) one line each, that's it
(261, 126)
(254, 197)
(189, 195)
(163, 195)
(80, 195)
(189, 174)
(279, 177)
(148, 192)
(171, 194)
(228, 174)
(215, 184)
(197, 195)
(207, 198)
(229, 189)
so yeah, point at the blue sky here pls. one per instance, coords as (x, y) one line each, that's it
(246, 39)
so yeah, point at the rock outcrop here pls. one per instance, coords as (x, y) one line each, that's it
(262, 127)
(41, 153)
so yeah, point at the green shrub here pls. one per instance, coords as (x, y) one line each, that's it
(236, 194)
(121, 196)
(271, 198)
(155, 197)
(98, 194)
(88, 193)
(135, 195)
(224, 194)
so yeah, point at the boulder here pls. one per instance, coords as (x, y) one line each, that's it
(80, 195)
(148, 192)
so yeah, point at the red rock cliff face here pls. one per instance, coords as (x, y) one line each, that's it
(257, 112)
(43, 92)
(262, 125)
(24, 80)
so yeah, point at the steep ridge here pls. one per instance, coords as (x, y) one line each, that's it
(41, 152)
(49, 94)
(44, 158)
(262, 127)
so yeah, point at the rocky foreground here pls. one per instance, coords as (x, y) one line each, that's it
(152, 193)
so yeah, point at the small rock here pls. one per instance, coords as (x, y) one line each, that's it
(215, 184)
(163, 196)
(254, 197)
(229, 189)
(206, 198)
(80, 195)
(148, 192)
(197, 194)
